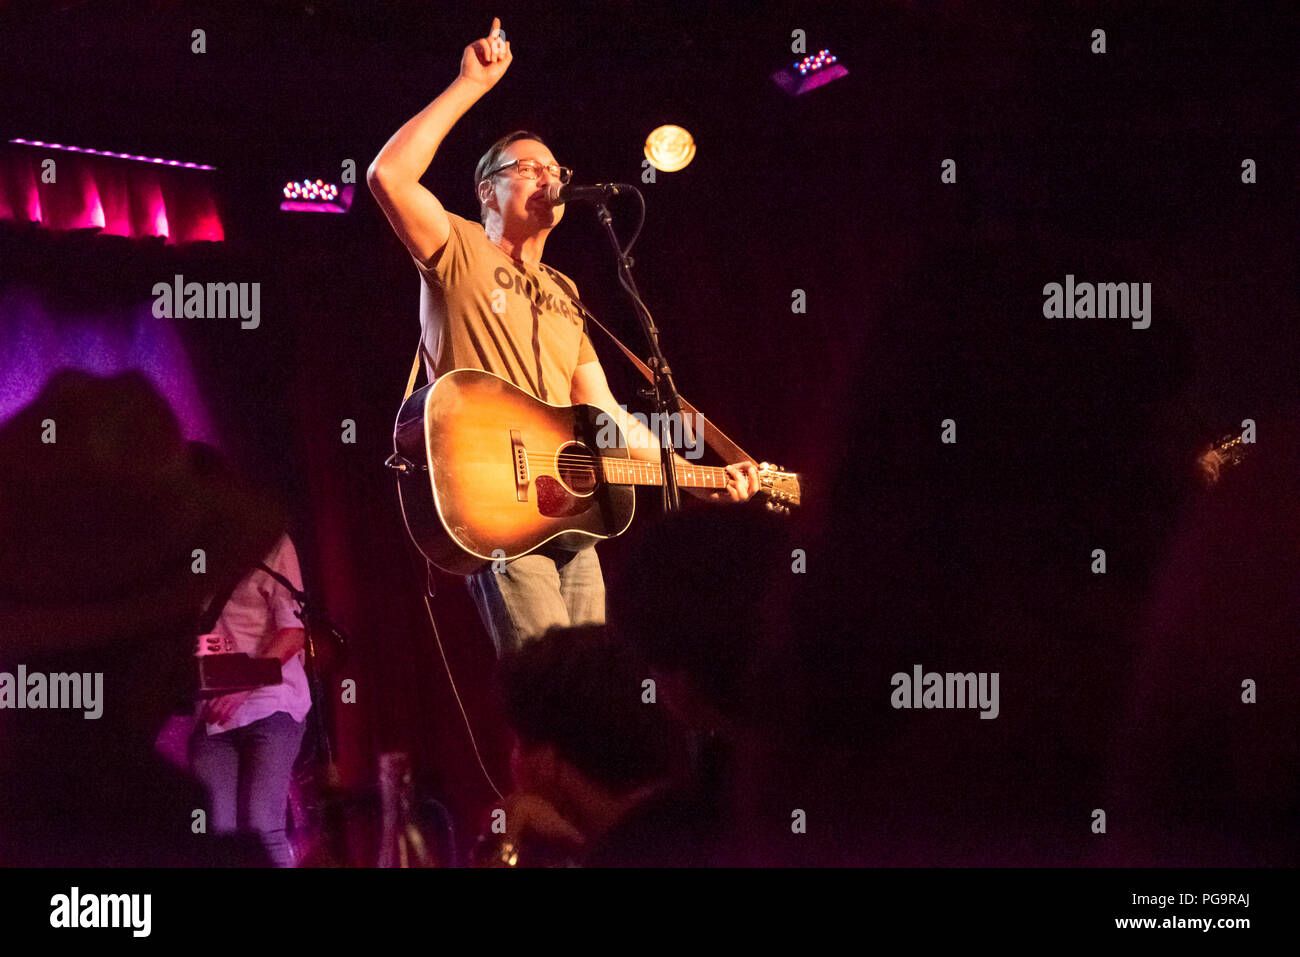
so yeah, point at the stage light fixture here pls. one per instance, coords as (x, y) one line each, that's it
(809, 73)
(670, 148)
(315, 196)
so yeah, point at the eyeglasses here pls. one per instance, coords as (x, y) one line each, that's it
(532, 169)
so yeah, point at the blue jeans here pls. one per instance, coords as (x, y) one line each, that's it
(247, 773)
(550, 588)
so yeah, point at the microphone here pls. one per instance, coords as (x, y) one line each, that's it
(558, 195)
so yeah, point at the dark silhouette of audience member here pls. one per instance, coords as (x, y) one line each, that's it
(1205, 768)
(102, 517)
(707, 602)
(597, 760)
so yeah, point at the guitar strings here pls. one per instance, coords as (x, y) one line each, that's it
(639, 466)
(583, 464)
(578, 459)
(703, 475)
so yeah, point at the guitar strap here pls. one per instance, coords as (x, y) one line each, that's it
(211, 613)
(415, 371)
(714, 437)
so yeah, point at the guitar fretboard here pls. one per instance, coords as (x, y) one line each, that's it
(638, 472)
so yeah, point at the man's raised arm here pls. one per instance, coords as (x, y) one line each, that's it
(394, 176)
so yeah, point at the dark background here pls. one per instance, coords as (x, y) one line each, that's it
(924, 299)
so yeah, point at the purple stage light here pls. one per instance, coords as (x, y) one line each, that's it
(811, 64)
(809, 73)
(39, 336)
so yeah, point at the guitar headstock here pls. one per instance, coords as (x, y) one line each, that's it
(782, 489)
(1227, 453)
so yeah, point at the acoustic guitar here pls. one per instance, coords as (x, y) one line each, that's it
(487, 472)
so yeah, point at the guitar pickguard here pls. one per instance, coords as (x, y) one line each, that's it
(556, 501)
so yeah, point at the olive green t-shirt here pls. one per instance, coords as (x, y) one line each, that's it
(480, 309)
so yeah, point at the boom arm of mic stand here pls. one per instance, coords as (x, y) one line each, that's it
(667, 399)
(312, 620)
(307, 609)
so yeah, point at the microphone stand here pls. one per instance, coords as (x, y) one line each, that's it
(329, 848)
(313, 620)
(666, 398)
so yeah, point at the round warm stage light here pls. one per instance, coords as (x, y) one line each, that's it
(669, 148)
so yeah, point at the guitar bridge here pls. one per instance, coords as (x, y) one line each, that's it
(521, 465)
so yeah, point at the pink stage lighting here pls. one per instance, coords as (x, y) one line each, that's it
(316, 196)
(809, 73)
(144, 198)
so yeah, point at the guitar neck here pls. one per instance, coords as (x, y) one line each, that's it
(638, 472)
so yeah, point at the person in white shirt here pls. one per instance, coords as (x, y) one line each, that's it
(245, 743)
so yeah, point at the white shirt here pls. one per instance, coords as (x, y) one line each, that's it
(258, 608)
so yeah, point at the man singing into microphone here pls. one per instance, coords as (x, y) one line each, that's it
(488, 302)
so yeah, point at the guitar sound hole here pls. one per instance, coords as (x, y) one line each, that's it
(577, 468)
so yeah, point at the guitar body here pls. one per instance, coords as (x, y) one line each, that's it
(498, 473)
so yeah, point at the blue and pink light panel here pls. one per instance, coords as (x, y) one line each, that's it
(809, 73)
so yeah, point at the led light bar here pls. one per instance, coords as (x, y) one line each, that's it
(126, 156)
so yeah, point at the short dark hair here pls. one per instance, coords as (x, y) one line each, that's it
(492, 157)
(580, 691)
